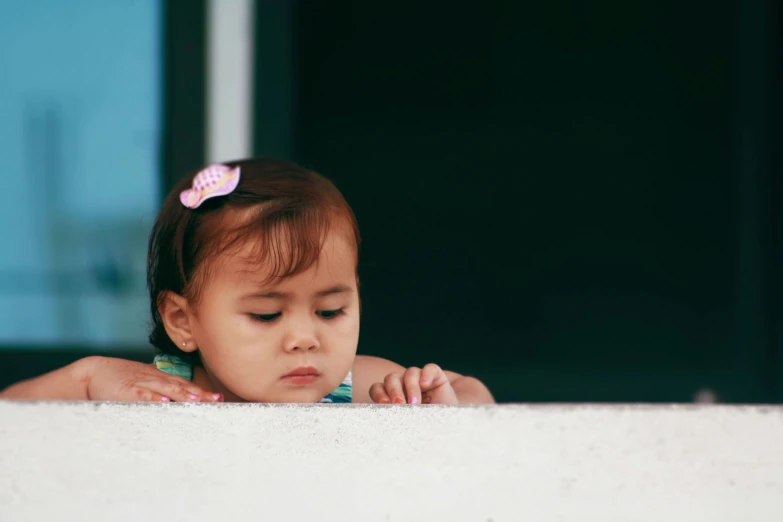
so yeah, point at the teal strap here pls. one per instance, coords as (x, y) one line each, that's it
(343, 393)
(174, 365)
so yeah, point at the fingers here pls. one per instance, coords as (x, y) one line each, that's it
(147, 395)
(378, 394)
(189, 392)
(183, 389)
(399, 387)
(432, 376)
(178, 391)
(393, 385)
(411, 386)
(412, 389)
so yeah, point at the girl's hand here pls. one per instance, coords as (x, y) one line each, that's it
(428, 385)
(111, 379)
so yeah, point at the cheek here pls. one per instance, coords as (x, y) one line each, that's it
(236, 347)
(219, 330)
(353, 319)
(346, 332)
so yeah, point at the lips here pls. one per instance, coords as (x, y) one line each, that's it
(303, 370)
(302, 375)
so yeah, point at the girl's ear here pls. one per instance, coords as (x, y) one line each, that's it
(175, 312)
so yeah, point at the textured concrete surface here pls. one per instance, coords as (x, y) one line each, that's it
(148, 462)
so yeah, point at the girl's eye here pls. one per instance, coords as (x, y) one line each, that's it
(331, 314)
(266, 318)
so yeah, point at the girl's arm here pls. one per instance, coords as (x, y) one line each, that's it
(109, 379)
(382, 381)
(67, 383)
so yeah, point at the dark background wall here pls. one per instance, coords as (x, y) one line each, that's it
(551, 193)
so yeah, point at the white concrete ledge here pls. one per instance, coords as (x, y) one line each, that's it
(135, 462)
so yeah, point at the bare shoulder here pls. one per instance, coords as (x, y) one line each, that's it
(368, 370)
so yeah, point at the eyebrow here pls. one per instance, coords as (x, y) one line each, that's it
(339, 289)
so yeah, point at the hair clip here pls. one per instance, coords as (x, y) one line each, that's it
(215, 180)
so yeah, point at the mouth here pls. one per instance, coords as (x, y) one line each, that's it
(302, 375)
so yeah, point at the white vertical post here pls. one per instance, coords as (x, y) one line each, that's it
(230, 61)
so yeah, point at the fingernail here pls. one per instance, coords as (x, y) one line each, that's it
(385, 400)
(414, 400)
(425, 380)
(216, 396)
(399, 400)
(193, 397)
(165, 399)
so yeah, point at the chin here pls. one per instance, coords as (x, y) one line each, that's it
(302, 396)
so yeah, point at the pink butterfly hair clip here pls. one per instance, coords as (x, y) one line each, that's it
(215, 180)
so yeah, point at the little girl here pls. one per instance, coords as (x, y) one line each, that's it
(254, 294)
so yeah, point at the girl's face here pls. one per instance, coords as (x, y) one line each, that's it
(252, 337)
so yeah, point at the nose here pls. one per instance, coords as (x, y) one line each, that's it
(302, 338)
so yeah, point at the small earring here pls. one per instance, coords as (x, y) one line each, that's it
(184, 343)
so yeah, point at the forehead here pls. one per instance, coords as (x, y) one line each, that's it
(336, 262)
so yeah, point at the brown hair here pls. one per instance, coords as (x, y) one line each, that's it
(290, 207)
